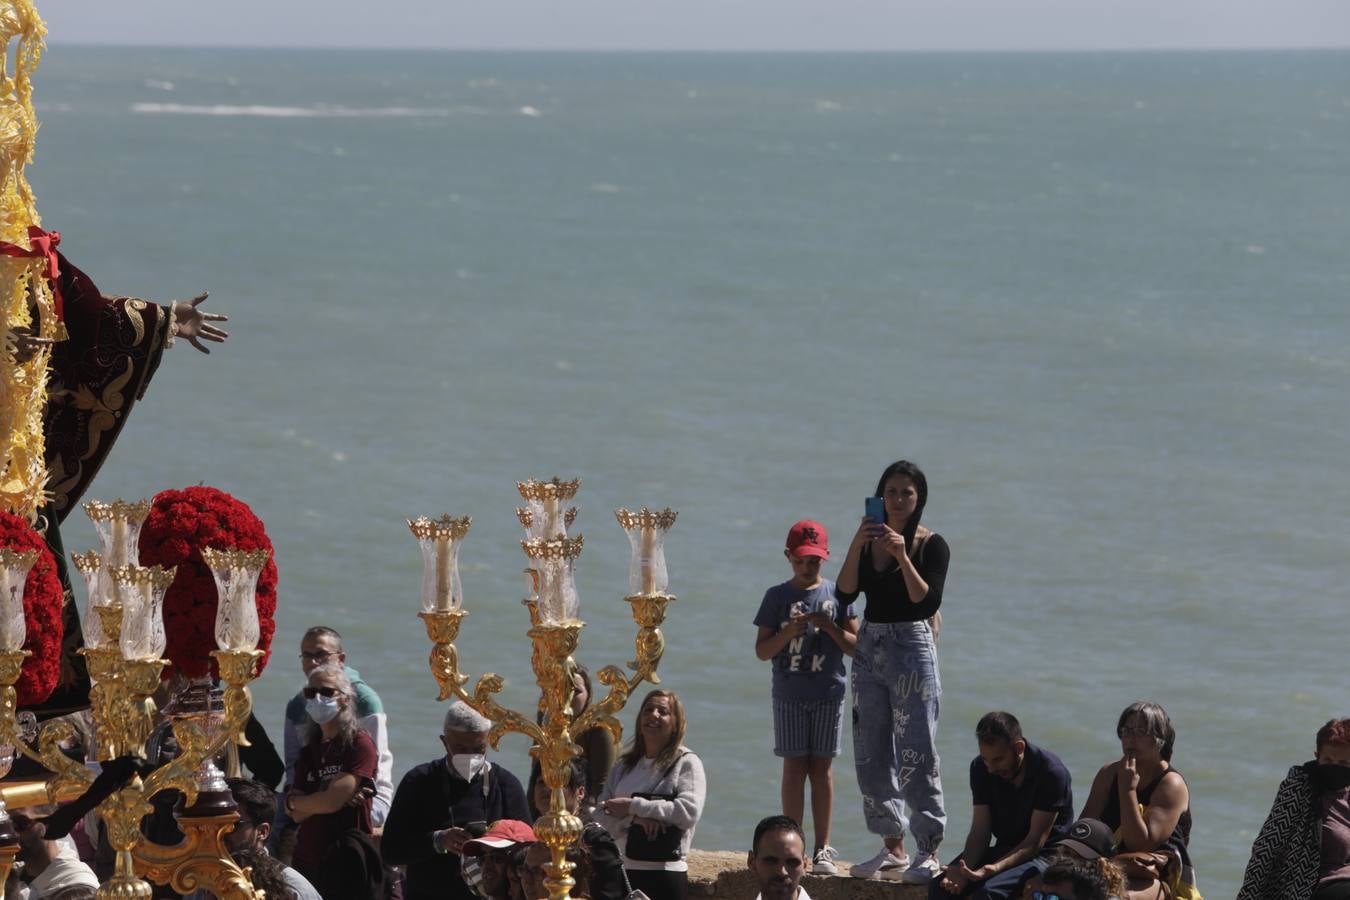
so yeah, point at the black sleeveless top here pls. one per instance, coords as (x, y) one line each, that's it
(1181, 834)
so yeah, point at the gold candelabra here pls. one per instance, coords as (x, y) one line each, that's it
(124, 638)
(555, 629)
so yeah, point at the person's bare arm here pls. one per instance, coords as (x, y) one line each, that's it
(1148, 831)
(770, 643)
(329, 800)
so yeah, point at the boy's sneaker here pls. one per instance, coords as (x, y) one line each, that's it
(823, 862)
(885, 866)
(923, 870)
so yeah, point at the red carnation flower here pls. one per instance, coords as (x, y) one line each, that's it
(42, 600)
(180, 524)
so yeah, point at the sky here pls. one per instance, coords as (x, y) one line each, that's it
(710, 25)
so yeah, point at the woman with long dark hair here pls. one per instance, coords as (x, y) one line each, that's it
(654, 798)
(901, 567)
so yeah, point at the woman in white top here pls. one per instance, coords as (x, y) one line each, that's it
(654, 798)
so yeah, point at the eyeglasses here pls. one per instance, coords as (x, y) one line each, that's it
(1042, 895)
(316, 655)
(1132, 731)
(311, 692)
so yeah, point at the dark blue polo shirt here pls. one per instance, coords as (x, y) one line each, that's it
(1045, 787)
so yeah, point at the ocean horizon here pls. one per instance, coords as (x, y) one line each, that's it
(1099, 297)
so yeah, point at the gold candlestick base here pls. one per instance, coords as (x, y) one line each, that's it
(443, 630)
(649, 612)
(195, 862)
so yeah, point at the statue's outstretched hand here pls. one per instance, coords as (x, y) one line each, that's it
(195, 326)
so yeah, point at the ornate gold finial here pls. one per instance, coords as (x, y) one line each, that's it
(86, 563)
(132, 511)
(646, 518)
(564, 548)
(553, 489)
(158, 577)
(443, 528)
(234, 559)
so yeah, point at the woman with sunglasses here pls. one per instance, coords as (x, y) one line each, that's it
(335, 773)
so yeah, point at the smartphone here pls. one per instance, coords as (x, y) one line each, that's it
(876, 510)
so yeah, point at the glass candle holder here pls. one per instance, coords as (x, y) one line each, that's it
(555, 563)
(440, 540)
(543, 515)
(97, 591)
(119, 528)
(14, 568)
(236, 573)
(142, 589)
(646, 530)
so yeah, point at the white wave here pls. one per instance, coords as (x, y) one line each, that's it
(530, 111)
(303, 112)
(159, 85)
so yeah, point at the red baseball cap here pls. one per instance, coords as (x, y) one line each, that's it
(501, 833)
(808, 538)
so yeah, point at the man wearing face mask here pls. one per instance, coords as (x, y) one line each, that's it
(441, 804)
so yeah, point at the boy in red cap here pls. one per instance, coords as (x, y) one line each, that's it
(807, 633)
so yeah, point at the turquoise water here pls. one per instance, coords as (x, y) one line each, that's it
(1100, 298)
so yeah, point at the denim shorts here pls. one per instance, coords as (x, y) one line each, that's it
(808, 727)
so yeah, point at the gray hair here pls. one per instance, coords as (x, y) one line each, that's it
(346, 717)
(463, 718)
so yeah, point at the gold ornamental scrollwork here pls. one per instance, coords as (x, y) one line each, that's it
(554, 633)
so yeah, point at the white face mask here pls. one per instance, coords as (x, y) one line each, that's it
(322, 709)
(469, 765)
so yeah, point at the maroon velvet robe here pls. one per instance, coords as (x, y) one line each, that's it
(96, 376)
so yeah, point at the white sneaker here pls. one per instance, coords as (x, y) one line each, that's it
(923, 870)
(885, 866)
(823, 862)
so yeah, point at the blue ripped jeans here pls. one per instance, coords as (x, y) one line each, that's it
(895, 713)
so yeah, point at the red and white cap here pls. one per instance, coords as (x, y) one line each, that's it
(808, 538)
(501, 833)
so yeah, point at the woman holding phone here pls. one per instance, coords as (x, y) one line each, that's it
(901, 567)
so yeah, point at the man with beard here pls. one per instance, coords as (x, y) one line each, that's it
(778, 859)
(1023, 797)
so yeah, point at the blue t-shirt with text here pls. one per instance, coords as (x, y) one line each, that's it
(810, 667)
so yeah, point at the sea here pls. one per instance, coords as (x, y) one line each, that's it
(1101, 298)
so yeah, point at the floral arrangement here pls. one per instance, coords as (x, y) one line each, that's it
(180, 524)
(43, 597)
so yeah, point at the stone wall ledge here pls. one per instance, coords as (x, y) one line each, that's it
(722, 875)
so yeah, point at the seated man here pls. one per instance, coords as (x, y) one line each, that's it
(247, 843)
(778, 859)
(1022, 797)
(53, 866)
(437, 802)
(607, 881)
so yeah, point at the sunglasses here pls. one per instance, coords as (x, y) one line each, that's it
(1042, 895)
(316, 655)
(311, 692)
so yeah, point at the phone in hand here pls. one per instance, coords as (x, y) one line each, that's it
(876, 510)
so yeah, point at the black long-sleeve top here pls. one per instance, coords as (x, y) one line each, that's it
(433, 796)
(887, 595)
